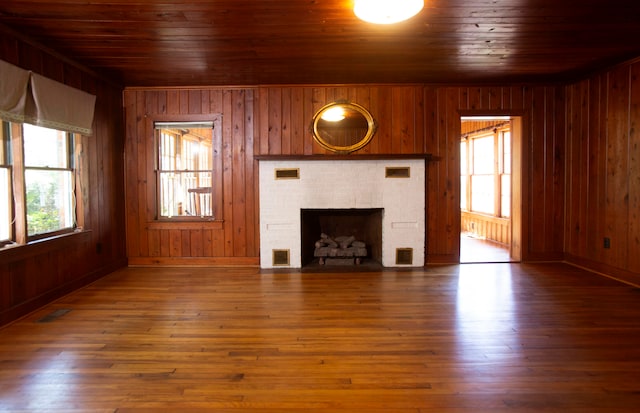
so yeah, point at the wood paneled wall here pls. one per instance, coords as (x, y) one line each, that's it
(234, 239)
(33, 275)
(275, 120)
(603, 172)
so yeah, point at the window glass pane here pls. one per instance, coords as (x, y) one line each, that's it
(506, 145)
(463, 158)
(464, 168)
(505, 201)
(45, 147)
(5, 204)
(463, 193)
(167, 151)
(185, 172)
(483, 190)
(185, 194)
(483, 155)
(49, 201)
(5, 185)
(3, 144)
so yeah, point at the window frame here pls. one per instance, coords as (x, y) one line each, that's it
(5, 163)
(215, 168)
(467, 142)
(13, 141)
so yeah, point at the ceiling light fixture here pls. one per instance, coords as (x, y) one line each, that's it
(386, 11)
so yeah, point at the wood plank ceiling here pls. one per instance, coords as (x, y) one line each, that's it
(250, 42)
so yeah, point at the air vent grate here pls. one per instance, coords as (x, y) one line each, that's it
(397, 172)
(288, 173)
(404, 256)
(53, 315)
(280, 257)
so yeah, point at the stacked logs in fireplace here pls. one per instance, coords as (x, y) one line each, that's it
(341, 248)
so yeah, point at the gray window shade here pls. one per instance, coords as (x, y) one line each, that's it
(13, 92)
(58, 106)
(28, 97)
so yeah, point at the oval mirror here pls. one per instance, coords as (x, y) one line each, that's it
(343, 127)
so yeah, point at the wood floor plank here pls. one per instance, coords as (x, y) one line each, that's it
(451, 339)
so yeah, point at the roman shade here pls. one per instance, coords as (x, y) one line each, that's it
(13, 92)
(58, 106)
(29, 97)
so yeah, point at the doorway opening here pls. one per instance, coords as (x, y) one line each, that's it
(490, 196)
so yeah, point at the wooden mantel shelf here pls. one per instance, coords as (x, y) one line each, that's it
(336, 157)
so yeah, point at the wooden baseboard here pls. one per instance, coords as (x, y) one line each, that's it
(442, 259)
(195, 261)
(542, 257)
(606, 270)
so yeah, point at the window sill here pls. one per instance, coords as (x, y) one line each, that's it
(16, 252)
(179, 224)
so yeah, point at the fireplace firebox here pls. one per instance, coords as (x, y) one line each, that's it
(364, 224)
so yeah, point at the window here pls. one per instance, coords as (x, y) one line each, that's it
(464, 174)
(185, 170)
(505, 173)
(37, 197)
(6, 212)
(482, 179)
(485, 171)
(48, 177)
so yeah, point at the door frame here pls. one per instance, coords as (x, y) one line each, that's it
(517, 184)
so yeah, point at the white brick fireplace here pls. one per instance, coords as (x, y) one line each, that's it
(289, 184)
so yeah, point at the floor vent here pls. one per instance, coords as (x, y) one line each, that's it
(280, 257)
(404, 256)
(53, 316)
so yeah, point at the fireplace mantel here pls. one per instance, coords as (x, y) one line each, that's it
(337, 157)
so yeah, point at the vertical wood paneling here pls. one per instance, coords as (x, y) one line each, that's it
(575, 225)
(239, 206)
(634, 171)
(195, 243)
(285, 122)
(251, 209)
(227, 171)
(538, 200)
(435, 206)
(32, 275)
(296, 121)
(141, 165)
(450, 234)
(617, 173)
(131, 186)
(603, 177)
(275, 121)
(555, 164)
(165, 243)
(595, 118)
(411, 119)
(310, 106)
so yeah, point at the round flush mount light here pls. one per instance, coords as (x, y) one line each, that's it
(386, 11)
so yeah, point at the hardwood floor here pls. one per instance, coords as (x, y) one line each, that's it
(464, 338)
(476, 250)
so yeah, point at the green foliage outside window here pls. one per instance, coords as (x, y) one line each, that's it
(42, 213)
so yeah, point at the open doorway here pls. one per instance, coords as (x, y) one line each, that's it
(490, 176)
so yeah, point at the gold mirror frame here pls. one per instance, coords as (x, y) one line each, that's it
(351, 128)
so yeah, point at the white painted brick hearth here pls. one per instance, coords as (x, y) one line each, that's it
(342, 184)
